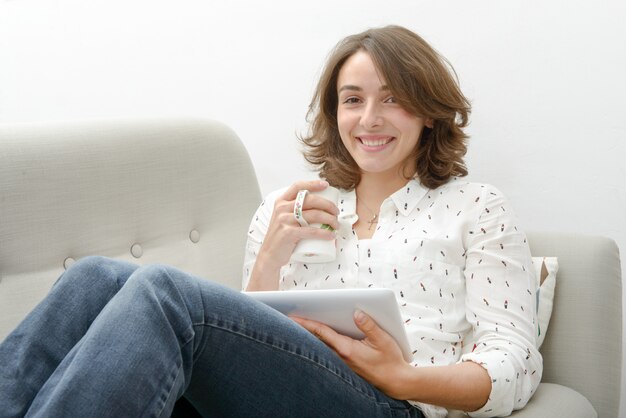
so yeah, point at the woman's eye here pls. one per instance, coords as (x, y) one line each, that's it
(390, 100)
(351, 100)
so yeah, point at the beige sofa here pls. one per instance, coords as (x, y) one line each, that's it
(183, 191)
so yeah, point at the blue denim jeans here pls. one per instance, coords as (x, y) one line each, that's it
(117, 340)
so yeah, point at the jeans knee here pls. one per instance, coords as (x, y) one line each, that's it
(97, 271)
(91, 262)
(167, 282)
(156, 275)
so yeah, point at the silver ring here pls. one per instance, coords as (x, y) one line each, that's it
(297, 208)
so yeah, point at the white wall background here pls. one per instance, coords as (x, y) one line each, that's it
(547, 80)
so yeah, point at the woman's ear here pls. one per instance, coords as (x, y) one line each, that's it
(429, 123)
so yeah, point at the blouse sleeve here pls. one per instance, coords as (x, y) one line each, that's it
(500, 303)
(256, 233)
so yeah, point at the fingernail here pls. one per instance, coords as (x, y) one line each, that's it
(324, 183)
(359, 316)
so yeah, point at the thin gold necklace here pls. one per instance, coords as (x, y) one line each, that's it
(374, 219)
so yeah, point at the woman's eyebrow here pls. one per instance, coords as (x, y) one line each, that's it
(350, 87)
(357, 88)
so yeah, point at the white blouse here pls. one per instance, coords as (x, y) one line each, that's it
(462, 273)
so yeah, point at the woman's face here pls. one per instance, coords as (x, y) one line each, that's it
(378, 133)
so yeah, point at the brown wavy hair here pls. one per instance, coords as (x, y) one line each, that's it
(423, 83)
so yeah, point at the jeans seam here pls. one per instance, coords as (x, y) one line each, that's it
(182, 346)
(169, 391)
(361, 392)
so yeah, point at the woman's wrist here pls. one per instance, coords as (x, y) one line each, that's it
(404, 383)
(465, 386)
(264, 275)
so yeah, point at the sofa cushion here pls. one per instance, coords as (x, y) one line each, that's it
(551, 401)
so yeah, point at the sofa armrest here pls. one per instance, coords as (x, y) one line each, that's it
(582, 349)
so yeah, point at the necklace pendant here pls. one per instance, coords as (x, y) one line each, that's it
(372, 221)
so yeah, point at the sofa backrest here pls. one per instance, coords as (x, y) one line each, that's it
(180, 192)
(583, 344)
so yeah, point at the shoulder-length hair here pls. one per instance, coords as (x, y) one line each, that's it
(423, 83)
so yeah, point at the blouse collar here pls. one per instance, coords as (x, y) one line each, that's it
(405, 199)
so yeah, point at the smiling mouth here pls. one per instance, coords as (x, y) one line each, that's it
(375, 142)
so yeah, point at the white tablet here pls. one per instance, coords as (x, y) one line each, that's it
(336, 307)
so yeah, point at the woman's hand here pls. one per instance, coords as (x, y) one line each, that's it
(377, 358)
(284, 231)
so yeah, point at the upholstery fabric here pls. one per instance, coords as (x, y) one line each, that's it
(583, 345)
(551, 401)
(98, 188)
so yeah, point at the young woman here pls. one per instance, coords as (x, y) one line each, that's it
(386, 129)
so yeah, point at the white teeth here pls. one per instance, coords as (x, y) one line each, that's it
(376, 143)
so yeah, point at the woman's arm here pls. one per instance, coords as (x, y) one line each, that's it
(378, 359)
(500, 306)
(465, 386)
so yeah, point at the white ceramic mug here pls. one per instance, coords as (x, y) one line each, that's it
(318, 250)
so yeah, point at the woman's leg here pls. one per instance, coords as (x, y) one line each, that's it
(30, 354)
(167, 333)
(259, 363)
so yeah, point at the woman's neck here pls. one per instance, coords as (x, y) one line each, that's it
(371, 191)
(374, 188)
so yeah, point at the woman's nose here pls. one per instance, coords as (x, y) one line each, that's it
(371, 116)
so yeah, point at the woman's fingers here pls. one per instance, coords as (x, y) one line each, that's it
(310, 185)
(313, 201)
(315, 209)
(284, 215)
(293, 232)
(325, 334)
(315, 216)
